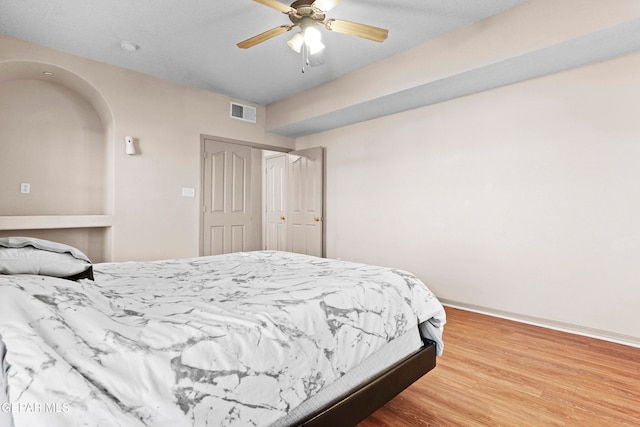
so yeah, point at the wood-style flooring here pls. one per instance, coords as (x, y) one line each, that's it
(496, 372)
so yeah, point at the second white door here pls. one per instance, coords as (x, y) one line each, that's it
(276, 202)
(305, 199)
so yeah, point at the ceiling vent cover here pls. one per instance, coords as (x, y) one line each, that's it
(243, 112)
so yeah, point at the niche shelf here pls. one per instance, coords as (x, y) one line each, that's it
(47, 222)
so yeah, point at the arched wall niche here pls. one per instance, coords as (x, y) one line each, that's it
(57, 136)
(31, 70)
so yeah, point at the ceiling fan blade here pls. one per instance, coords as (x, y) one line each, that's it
(361, 30)
(277, 5)
(325, 5)
(264, 36)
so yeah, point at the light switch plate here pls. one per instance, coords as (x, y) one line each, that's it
(188, 192)
(25, 188)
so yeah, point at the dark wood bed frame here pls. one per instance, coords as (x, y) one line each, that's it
(349, 410)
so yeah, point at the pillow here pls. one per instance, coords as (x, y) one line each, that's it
(28, 255)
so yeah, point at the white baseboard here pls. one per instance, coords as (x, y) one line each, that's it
(549, 324)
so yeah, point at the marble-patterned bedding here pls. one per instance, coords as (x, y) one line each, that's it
(238, 339)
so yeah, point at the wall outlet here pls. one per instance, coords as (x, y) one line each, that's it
(25, 188)
(188, 192)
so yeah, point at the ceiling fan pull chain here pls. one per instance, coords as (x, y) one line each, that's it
(305, 57)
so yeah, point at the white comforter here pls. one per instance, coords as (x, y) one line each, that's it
(237, 339)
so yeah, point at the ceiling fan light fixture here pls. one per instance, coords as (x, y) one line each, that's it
(312, 39)
(312, 35)
(308, 15)
(295, 43)
(315, 47)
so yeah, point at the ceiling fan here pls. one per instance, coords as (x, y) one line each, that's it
(307, 14)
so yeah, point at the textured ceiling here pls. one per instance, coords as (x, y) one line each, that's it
(194, 42)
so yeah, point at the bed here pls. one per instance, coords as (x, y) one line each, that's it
(260, 338)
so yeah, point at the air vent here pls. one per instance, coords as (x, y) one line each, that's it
(243, 112)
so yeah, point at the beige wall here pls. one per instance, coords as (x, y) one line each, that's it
(151, 219)
(521, 200)
(52, 138)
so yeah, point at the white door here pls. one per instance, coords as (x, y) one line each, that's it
(227, 219)
(276, 202)
(306, 175)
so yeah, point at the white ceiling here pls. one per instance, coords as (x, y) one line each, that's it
(194, 41)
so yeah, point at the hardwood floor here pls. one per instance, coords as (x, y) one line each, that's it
(496, 372)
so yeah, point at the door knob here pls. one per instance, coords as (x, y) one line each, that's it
(282, 218)
(317, 219)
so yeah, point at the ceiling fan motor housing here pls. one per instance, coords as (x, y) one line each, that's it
(306, 10)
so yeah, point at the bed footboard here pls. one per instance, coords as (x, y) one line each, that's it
(354, 407)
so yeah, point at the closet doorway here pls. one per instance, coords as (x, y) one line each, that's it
(294, 201)
(261, 197)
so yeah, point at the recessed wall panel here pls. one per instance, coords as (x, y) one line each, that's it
(238, 183)
(298, 241)
(237, 238)
(297, 185)
(217, 182)
(217, 240)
